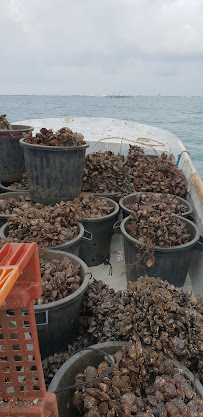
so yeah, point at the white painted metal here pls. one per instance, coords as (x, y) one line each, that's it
(116, 135)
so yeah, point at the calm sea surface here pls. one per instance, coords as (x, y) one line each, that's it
(181, 115)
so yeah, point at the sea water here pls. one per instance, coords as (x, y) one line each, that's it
(181, 115)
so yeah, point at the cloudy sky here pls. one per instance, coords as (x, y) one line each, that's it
(101, 47)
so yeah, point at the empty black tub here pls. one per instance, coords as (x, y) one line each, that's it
(171, 263)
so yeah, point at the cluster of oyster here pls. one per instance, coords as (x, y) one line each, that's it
(109, 173)
(142, 383)
(63, 137)
(104, 173)
(167, 204)
(84, 206)
(4, 124)
(164, 317)
(48, 226)
(19, 185)
(152, 227)
(158, 174)
(60, 278)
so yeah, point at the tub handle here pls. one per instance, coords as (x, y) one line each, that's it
(42, 318)
(116, 227)
(87, 236)
(199, 246)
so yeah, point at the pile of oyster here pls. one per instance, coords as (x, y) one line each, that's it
(165, 318)
(109, 173)
(19, 185)
(60, 278)
(85, 206)
(48, 226)
(104, 173)
(164, 204)
(143, 383)
(4, 124)
(152, 227)
(62, 137)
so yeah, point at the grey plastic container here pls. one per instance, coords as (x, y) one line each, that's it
(79, 362)
(101, 228)
(12, 163)
(4, 188)
(54, 172)
(71, 246)
(57, 321)
(171, 263)
(129, 199)
(6, 196)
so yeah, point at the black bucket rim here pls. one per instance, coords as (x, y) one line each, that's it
(66, 244)
(164, 248)
(76, 294)
(108, 216)
(198, 387)
(11, 190)
(52, 148)
(183, 200)
(17, 128)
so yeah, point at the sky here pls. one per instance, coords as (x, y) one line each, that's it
(98, 47)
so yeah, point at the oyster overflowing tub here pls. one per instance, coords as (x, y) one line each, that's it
(113, 137)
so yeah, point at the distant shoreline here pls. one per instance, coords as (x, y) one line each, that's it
(86, 95)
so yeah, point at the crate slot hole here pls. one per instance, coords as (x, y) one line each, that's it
(12, 324)
(7, 379)
(16, 347)
(24, 312)
(34, 378)
(1, 336)
(18, 358)
(24, 388)
(30, 347)
(33, 368)
(36, 388)
(14, 336)
(31, 357)
(28, 336)
(26, 323)
(10, 312)
(6, 369)
(20, 368)
(4, 358)
(10, 389)
(21, 378)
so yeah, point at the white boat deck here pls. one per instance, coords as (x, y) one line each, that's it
(112, 134)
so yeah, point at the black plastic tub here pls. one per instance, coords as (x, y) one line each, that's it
(129, 199)
(5, 196)
(71, 246)
(171, 263)
(80, 361)
(101, 228)
(57, 321)
(12, 163)
(54, 172)
(4, 188)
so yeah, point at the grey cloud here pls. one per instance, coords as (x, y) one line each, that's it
(71, 44)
